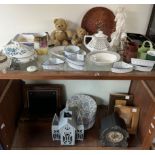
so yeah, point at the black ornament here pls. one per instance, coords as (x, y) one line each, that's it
(113, 131)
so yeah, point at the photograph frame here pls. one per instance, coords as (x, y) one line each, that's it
(134, 112)
(58, 88)
(119, 96)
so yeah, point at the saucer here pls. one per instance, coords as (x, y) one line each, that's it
(121, 67)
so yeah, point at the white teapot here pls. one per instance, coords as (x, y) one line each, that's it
(98, 42)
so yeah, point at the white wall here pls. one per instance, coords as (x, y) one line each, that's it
(38, 18)
(98, 89)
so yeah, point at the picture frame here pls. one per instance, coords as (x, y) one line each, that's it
(130, 115)
(42, 100)
(128, 98)
(1, 148)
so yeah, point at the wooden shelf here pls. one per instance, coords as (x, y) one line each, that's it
(81, 75)
(37, 135)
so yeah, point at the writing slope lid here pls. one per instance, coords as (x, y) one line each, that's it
(99, 18)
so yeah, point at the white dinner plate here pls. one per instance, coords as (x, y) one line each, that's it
(103, 58)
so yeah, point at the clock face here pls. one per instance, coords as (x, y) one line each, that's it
(114, 137)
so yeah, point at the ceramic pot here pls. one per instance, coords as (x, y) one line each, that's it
(98, 42)
(130, 51)
(150, 55)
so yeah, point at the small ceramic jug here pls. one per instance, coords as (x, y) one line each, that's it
(142, 51)
(130, 51)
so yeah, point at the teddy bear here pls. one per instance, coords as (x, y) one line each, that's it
(60, 36)
(77, 38)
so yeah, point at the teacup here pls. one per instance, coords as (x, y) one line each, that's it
(150, 55)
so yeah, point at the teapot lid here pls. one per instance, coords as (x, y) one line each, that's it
(100, 34)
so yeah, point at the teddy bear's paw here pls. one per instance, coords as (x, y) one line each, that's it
(56, 43)
(74, 41)
(79, 44)
(65, 43)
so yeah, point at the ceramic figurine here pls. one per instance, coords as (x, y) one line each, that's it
(116, 36)
(120, 19)
(69, 127)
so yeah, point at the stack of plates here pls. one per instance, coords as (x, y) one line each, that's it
(74, 62)
(57, 51)
(142, 65)
(86, 107)
(74, 59)
(71, 49)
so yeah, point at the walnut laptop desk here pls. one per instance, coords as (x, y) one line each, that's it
(142, 87)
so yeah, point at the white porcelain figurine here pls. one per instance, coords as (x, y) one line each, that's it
(119, 34)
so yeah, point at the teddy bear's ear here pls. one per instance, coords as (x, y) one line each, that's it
(66, 21)
(77, 30)
(55, 20)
